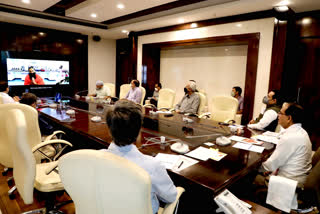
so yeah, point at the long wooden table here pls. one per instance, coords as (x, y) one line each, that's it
(210, 176)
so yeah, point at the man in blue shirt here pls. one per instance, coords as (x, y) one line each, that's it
(124, 123)
(135, 93)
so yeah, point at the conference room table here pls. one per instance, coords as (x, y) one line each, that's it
(204, 178)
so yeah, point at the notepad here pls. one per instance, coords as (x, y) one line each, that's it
(249, 147)
(204, 154)
(175, 162)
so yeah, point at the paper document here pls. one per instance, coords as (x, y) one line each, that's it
(245, 140)
(266, 138)
(249, 147)
(164, 112)
(200, 153)
(183, 163)
(204, 154)
(271, 134)
(209, 144)
(167, 160)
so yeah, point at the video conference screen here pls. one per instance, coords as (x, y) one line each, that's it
(35, 71)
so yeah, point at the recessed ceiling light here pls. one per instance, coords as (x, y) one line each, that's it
(42, 34)
(25, 1)
(181, 21)
(120, 6)
(239, 25)
(282, 8)
(194, 25)
(80, 41)
(306, 21)
(124, 31)
(226, 49)
(93, 15)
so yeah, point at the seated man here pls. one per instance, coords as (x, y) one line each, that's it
(292, 156)
(155, 96)
(32, 78)
(268, 120)
(101, 90)
(4, 90)
(31, 100)
(124, 123)
(190, 101)
(135, 93)
(236, 93)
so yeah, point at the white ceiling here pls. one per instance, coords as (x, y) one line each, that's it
(39, 5)
(150, 22)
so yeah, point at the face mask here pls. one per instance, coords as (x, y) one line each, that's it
(265, 100)
(232, 93)
(156, 89)
(185, 90)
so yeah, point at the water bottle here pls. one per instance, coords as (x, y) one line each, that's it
(57, 98)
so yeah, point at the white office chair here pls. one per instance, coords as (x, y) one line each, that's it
(1, 101)
(108, 184)
(224, 108)
(124, 89)
(143, 90)
(27, 174)
(203, 103)
(33, 138)
(112, 88)
(166, 98)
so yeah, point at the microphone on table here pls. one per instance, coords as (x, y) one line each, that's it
(77, 96)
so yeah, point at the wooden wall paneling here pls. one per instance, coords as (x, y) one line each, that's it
(151, 62)
(150, 68)
(126, 60)
(278, 53)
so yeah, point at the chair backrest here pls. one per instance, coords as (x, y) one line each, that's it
(143, 90)
(124, 89)
(316, 157)
(33, 130)
(101, 182)
(311, 192)
(203, 102)
(223, 108)
(1, 101)
(112, 88)
(24, 163)
(166, 98)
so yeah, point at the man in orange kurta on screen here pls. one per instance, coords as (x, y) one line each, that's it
(32, 78)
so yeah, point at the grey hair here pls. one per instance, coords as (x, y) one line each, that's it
(193, 86)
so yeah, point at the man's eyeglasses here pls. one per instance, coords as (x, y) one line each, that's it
(281, 113)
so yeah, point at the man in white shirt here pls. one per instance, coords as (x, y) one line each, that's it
(268, 120)
(124, 123)
(4, 90)
(101, 90)
(292, 156)
(135, 93)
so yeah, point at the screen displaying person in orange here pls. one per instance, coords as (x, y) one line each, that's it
(32, 78)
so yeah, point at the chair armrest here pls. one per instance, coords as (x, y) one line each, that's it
(172, 109)
(205, 115)
(54, 134)
(169, 208)
(51, 168)
(164, 108)
(49, 142)
(149, 105)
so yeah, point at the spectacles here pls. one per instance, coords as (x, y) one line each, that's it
(281, 113)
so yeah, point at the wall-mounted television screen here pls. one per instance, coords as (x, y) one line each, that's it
(45, 72)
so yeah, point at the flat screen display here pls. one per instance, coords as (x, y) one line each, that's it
(45, 72)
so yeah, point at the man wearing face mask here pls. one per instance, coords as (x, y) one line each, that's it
(268, 120)
(190, 101)
(32, 78)
(135, 93)
(236, 93)
(155, 96)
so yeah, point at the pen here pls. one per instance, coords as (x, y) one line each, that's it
(180, 164)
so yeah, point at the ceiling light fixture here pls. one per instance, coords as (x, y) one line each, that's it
(284, 3)
(120, 6)
(42, 34)
(194, 25)
(239, 25)
(282, 8)
(124, 31)
(306, 21)
(25, 1)
(93, 15)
